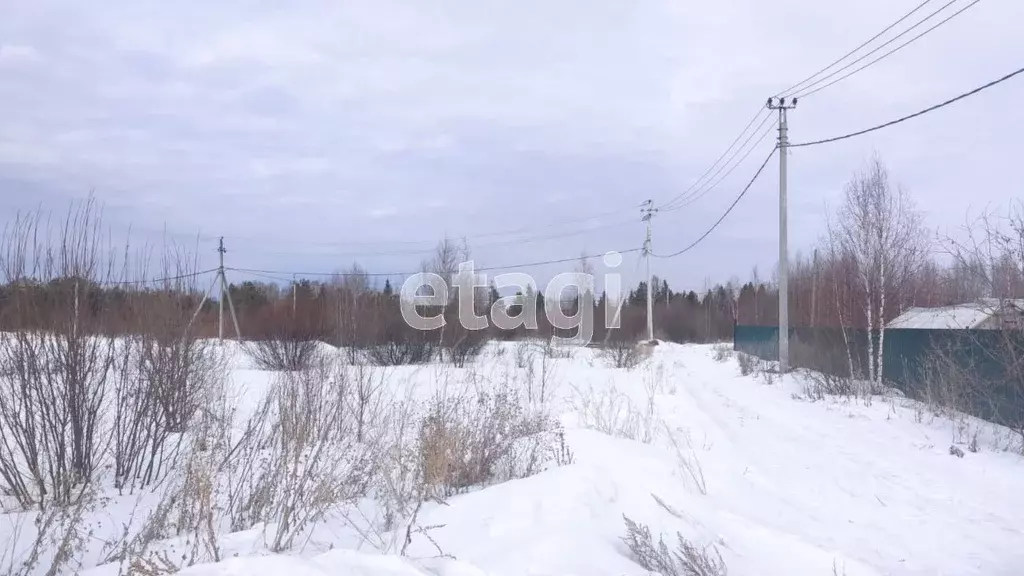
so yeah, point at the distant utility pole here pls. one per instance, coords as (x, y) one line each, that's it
(814, 292)
(648, 212)
(225, 294)
(781, 105)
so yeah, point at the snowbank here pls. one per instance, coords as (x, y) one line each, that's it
(779, 485)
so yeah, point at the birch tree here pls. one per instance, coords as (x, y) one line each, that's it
(880, 230)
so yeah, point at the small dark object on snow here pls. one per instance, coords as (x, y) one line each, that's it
(954, 451)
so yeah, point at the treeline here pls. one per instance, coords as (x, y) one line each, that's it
(875, 260)
(348, 309)
(64, 274)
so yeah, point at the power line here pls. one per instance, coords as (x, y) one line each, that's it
(703, 193)
(257, 271)
(559, 261)
(154, 280)
(272, 273)
(807, 91)
(509, 242)
(914, 115)
(668, 205)
(887, 54)
(728, 210)
(680, 199)
(266, 276)
(788, 91)
(428, 242)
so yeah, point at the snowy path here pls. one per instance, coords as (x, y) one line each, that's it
(793, 486)
(866, 482)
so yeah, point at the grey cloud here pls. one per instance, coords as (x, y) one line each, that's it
(399, 121)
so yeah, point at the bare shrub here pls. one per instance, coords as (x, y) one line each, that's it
(721, 352)
(365, 399)
(53, 368)
(947, 384)
(819, 385)
(281, 355)
(688, 559)
(540, 383)
(767, 375)
(396, 352)
(398, 485)
(620, 352)
(55, 541)
(686, 458)
(747, 363)
(161, 374)
(465, 346)
(287, 342)
(477, 439)
(826, 371)
(299, 455)
(611, 412)
(556, 351)
(524, 354)
(158, 386)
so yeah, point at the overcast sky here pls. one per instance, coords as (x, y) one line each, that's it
(312, 134)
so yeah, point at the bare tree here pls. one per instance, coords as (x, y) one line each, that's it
(881, 231)
(993, 252)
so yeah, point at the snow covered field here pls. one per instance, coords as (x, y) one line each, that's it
(778, 484)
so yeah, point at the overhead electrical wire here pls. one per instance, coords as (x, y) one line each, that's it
(808, 92)
(698, 196)
(155, 280)
(727, 211)
(505, 232)
(258, 271)
(681, 200)
(669, 205)
(910, 116)
(511, 242)
(814, 83)
(788, 91)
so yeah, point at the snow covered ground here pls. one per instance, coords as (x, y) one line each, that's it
(778, 484)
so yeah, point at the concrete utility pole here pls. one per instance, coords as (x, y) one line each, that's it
(223, 292)
(814, 292)
(781, 105)
(648, 212)
(219, 279)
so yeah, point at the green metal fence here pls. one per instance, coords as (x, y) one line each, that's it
(976, 365)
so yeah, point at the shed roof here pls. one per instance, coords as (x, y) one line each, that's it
(959, 316)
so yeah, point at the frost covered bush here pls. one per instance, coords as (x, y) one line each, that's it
(687, 559)
(747, 363)
(721, 352)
